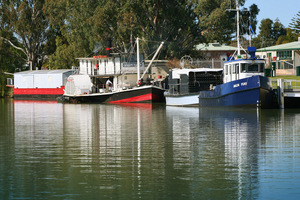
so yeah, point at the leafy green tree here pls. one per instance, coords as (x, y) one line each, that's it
(26, 19)
(217, 19)
(254, 10)
(10, 60)
(278, 29)
(269, 33)
(173, 21)
(87, 23)
(75, 27)
(289, 37)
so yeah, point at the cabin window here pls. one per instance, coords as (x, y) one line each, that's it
(237, 67)
(233, 69)
(244, 68)
(262, 67)
(226, 69)
(229, 69)
(86, 66)
(253, 68)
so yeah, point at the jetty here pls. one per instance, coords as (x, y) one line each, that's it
(287, 92)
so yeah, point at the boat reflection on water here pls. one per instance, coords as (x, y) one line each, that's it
(219, 148)
(235, 139)
(34, 122)
(148, 151)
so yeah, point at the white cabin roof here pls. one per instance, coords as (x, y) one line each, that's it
(56, 71)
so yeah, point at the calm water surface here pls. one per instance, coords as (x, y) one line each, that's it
(50, 150)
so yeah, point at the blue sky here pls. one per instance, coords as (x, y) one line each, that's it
(284, 10)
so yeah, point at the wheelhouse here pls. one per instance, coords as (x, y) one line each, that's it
(243, 68)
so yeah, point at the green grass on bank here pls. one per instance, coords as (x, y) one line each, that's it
(286, 77)
(293, 84)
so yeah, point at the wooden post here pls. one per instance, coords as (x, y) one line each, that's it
(280, 93)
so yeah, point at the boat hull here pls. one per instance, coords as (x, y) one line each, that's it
(136, 95)
(182, 100)
(38, 93)
(254, 91)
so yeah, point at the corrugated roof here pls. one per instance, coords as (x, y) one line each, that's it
(214, 47)
(282, 47)
(56, 71)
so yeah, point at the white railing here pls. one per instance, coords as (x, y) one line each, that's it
(282, 64)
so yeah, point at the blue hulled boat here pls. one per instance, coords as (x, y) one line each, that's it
(244, 85)
(244, 82)
(252, 91)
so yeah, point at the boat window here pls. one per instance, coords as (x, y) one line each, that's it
(237, 68)
(226, 69)
(262, 67)
(233, 69)
(244, 67)
(253, 68)
(229, 69)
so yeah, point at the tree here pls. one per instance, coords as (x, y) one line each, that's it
(254, 10)
(269, 33)
(10, 59)
(289, 37)
(278, 30)
(172, 21)
(87, 24)
(26, 19)
(74, 30)
(295, 24)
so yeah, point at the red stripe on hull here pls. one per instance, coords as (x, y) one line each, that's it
(39, 91)
(34, 101)
(146, 97)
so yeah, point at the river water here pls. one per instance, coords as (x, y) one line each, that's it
(50, 150)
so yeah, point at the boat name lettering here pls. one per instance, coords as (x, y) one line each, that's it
(238, 85)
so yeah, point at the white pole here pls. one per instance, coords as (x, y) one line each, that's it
(280, 92)
(250, 36)
(138, 59)
(160, 46)
(238, 27)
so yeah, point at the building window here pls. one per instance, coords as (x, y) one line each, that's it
(284, 55)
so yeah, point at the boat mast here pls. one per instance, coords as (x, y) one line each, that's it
(237, 9)
(138, 59)
(238, 28)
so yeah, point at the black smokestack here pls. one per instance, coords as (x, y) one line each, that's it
(108, 47)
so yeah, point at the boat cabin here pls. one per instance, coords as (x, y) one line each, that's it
(120, 69)
(189, 81)
(243, 68)
(235, 69)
